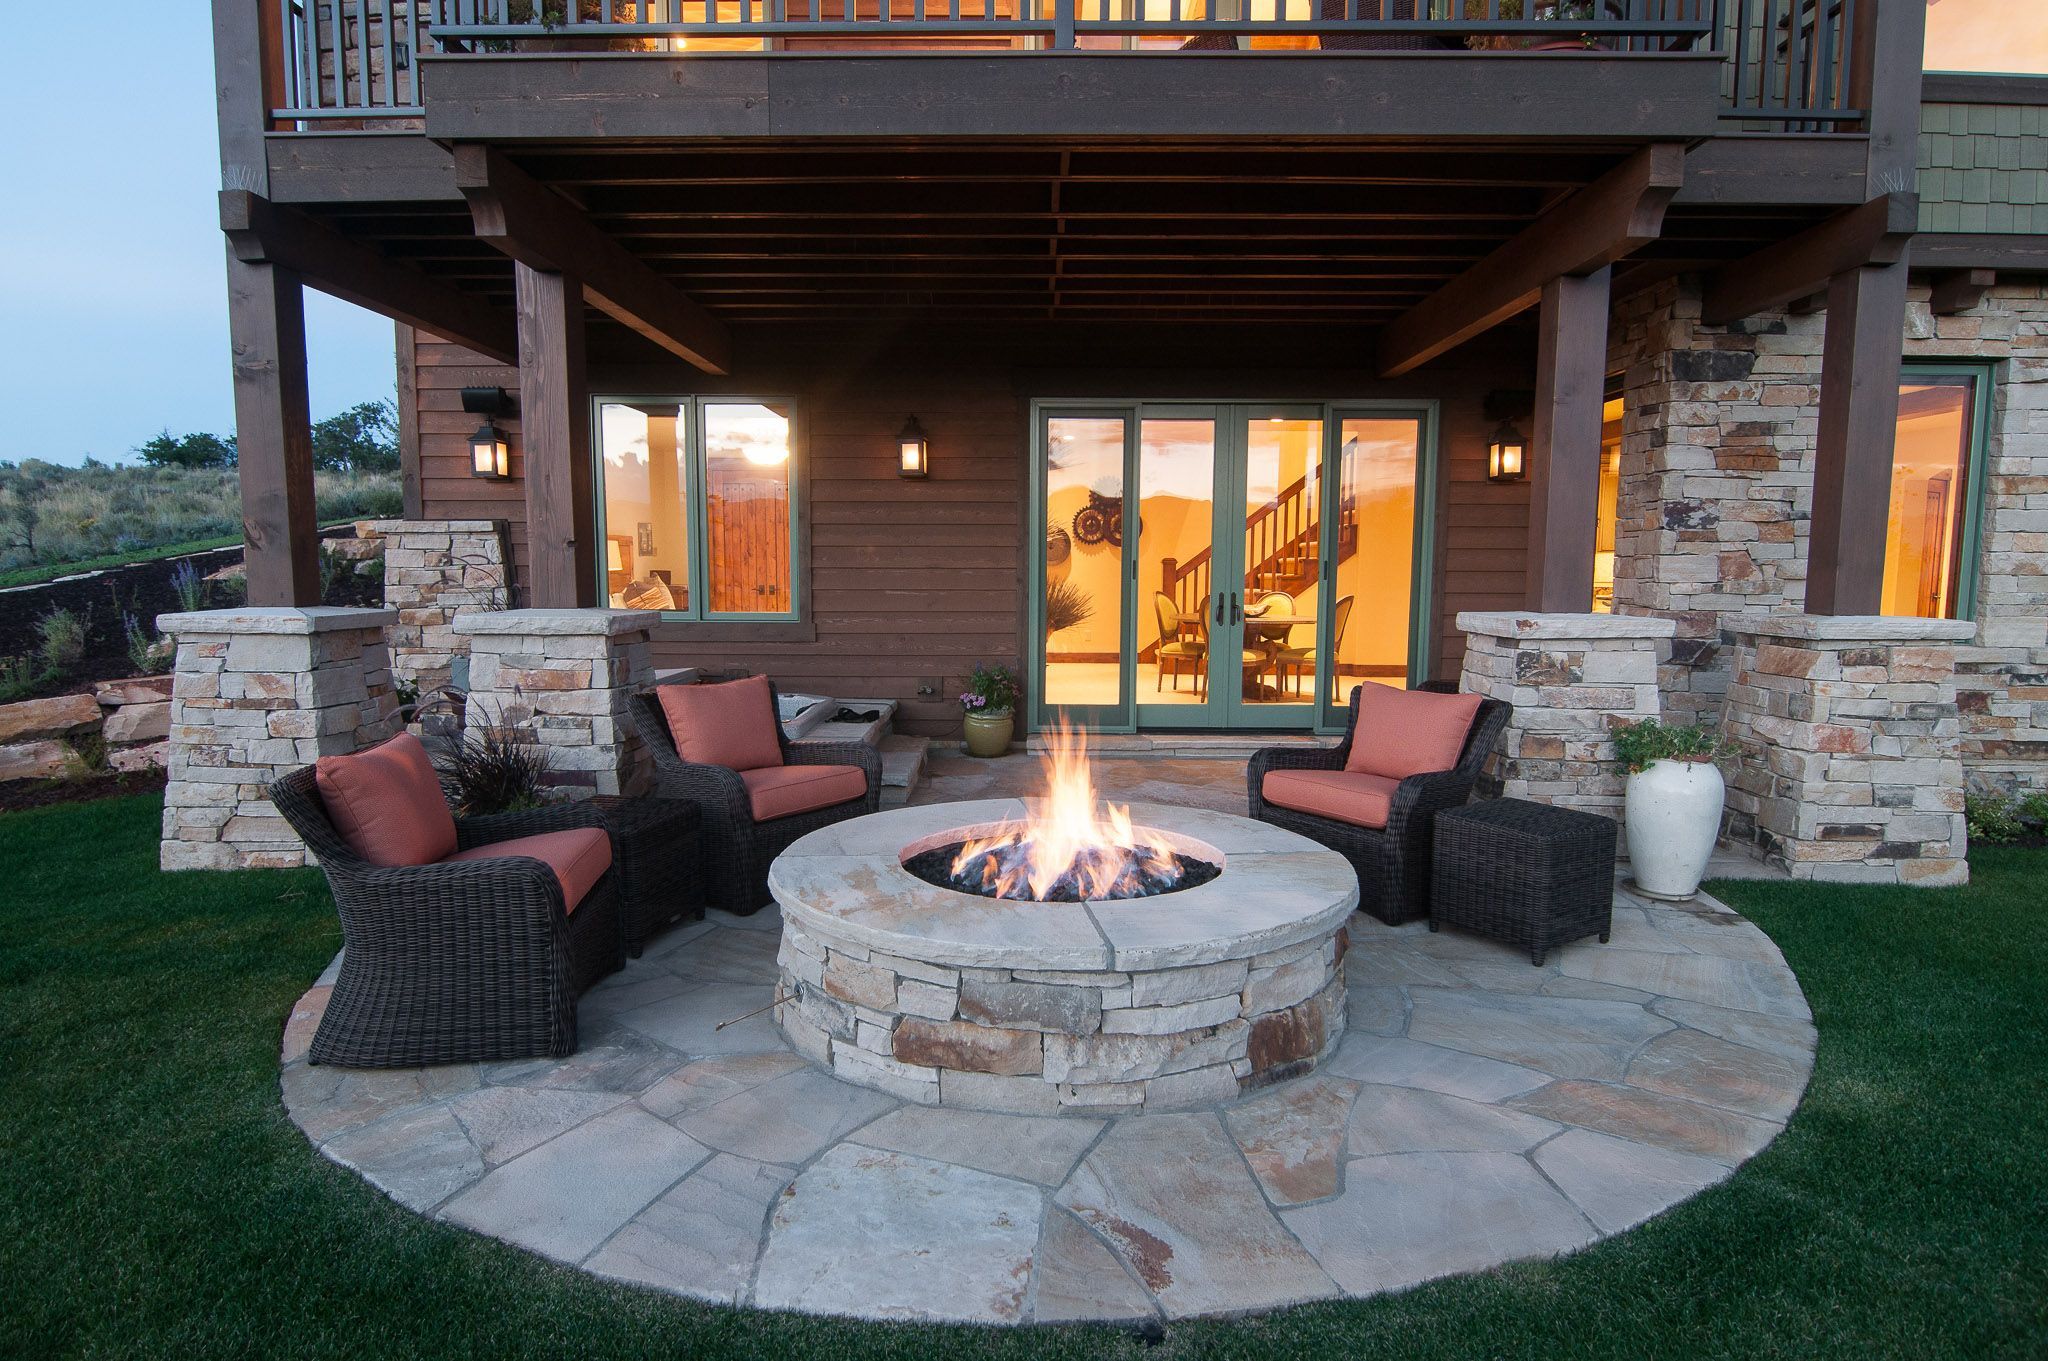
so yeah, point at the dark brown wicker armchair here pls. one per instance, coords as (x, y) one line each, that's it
(457, 962)
(736, 849)
(1393, 861)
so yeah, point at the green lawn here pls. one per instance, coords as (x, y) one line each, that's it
(155, 1200)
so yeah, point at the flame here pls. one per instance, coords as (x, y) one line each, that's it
(1068, 839)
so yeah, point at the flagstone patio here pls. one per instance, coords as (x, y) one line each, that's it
(1479, 1111)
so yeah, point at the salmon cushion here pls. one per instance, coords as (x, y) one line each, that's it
(1345, 795)
(730, 724)
(386, 803)
(1408, 732)
(784, 790)
(579, 857)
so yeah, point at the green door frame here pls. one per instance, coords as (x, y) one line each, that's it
(1227, 553)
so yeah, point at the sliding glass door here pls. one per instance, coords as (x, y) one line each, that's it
(1225, 566)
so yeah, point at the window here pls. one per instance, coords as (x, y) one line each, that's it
(699, 507)
(1931, 531)
(1993, 36)
(1607, 515)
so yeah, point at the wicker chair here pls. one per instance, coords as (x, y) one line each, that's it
(737, 850)
(1393, 862)
(461, 962)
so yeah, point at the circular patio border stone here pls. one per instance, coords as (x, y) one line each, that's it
(1171, 1002)
(1476, 1111)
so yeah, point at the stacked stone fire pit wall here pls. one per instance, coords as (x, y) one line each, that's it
(1042, 1041)
(1184, 999)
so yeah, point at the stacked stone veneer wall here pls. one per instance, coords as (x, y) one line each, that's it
(258, 693)
(1846, 729)
(563, 680)
(436, 571)
(1052, 1042)
(1720, 424)
(1572, 679)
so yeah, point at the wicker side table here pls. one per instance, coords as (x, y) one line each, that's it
(659, 882)
(1526, 873)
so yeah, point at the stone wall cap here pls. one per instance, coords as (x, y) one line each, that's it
(556, 623)
(1527, 624)
(1854, 628)
(432, 526)
(276, 620)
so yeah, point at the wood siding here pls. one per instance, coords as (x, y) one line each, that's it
(909, 583)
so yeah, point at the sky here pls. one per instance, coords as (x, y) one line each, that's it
(113, 306)
(113, 296)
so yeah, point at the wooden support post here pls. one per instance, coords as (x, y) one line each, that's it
(1564, 452)
(405, 345)
(273, 433)
(554, 423)
(1859, 407)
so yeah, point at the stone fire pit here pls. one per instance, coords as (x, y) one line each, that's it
(1166, 1002)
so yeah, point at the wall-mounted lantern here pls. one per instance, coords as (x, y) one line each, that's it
(489, 455)
(1506, 455)
(913, 451)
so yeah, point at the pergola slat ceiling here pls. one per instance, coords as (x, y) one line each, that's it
(1312, 236)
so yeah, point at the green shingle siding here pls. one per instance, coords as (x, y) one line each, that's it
(1983, 168)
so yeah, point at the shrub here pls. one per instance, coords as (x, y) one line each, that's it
(2034, 809)
(1639, 745)
(60, 640)
(1993, 819)
(20, 677)
(189, 585)
(497, 768)
(148, 652)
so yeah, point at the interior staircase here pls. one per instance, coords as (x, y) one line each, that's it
(1282, 543)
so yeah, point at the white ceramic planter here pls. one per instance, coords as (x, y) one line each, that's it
(1674, 818)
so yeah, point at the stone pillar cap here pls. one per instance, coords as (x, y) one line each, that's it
(556, 623)
(1530, 624)
(1854, 628)
(277, 620)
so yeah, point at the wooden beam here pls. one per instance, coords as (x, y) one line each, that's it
(1859, 410)
(242, 88)
(1988, 250)
(1959, 290)
(543, 231)
(260, 231)
(554, 426)
(1875, 232)
(1564, 451)
(1508, 97)
(273, 433)
(1586, 233)
(1886, 47)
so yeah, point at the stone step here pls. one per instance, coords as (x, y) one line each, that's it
(903, 767)
(870, 731)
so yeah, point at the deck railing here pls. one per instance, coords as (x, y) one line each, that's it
(1787, 61)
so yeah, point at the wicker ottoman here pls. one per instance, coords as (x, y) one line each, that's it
(1526, 873)
(657, 870)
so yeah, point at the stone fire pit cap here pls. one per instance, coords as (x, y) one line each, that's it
(846, 885)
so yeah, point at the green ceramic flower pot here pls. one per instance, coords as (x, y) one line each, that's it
(989, 734)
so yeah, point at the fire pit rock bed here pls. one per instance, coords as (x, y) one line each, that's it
(1178, 1000)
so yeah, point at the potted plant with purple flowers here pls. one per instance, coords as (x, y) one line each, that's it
(989, 709)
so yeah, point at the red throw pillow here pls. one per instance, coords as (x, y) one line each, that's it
(1408, 732)
(731, 724)
(386, 803)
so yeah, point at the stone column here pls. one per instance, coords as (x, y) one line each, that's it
(1851, 756)
(564, 677)
(434, 572)
(257, 693)
(1573, 678)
